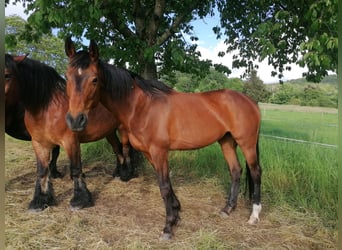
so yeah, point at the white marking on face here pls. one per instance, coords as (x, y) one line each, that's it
(79, 71)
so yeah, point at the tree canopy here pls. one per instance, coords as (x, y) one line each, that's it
(146, 35)
(49, 49)
(284, 31)
(149, 35)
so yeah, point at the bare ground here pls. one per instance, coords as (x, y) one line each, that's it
(131, 215)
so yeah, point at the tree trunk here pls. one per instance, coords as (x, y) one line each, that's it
(149, 70)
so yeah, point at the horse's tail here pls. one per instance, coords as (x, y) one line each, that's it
(249, 181)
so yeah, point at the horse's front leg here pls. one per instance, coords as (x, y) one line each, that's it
(172, 205)
(82, 197)
(43, 194)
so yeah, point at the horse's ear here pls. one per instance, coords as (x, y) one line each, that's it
(69, 46)
(93, 51)
(19, 59)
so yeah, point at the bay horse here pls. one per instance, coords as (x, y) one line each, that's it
(15, 112)
(42, 93)
(158, 119)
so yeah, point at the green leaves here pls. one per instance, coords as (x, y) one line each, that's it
(304, 32)
(138, 33)
(21, 39)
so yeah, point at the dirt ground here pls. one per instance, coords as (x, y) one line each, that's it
(131, 215)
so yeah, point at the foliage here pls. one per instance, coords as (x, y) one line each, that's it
(302, 93)
(284, 95)
(284, 32)
(296, 92)
(313, 95)
(49, 49)
(149, 35)
(213, 80)
(255, 88)
(141, 34)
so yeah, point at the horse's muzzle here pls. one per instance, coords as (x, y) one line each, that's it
(78, 123)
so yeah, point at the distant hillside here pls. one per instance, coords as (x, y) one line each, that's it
(304, 93)
(331, 79)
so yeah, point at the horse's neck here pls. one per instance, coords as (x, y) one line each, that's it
(128, 107)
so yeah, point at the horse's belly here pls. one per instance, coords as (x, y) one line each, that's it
(193, 137)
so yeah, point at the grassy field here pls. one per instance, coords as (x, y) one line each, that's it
(299, 195)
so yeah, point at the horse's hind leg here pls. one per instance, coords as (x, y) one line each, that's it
(251, 155)
(127, 169)
(113, 140)
(54, 173)
(228, 146)
(124, 168)
(43, 193)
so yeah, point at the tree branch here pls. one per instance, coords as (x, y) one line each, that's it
(114, 18)
(177, 22)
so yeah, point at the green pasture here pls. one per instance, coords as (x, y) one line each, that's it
(300, 175)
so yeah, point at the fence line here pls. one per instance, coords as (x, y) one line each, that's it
(300, 141)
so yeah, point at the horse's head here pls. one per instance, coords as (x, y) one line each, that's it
(11, 79)
(83, 84)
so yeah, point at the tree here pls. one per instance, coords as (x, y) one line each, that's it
(284, 32)
(313, 95)
(284, 94)
(255, 88)
(49, 50)
(145, 34)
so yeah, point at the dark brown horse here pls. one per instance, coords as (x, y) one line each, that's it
(15, 112)
(40, 90)
(158, 119)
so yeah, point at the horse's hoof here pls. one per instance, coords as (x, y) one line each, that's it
(74, 206)
(38, 205)
(223, 214)
(165, 236)
(56, 175)
(34, 210)
(254, 218)
(253, 221)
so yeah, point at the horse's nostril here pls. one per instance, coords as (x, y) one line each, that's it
(69, 120)
(82, 120)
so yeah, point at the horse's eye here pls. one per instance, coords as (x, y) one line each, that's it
(94, 80)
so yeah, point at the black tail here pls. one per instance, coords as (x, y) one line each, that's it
(249, 181)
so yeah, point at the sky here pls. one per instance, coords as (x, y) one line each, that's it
(209, 47)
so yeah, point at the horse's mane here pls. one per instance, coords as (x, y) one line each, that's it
(38, 82)
(10, 64)
(119, 82)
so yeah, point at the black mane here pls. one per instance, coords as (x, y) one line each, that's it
(119, 82)
(37, 81)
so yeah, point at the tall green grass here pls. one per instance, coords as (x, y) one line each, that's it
(301, 175)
